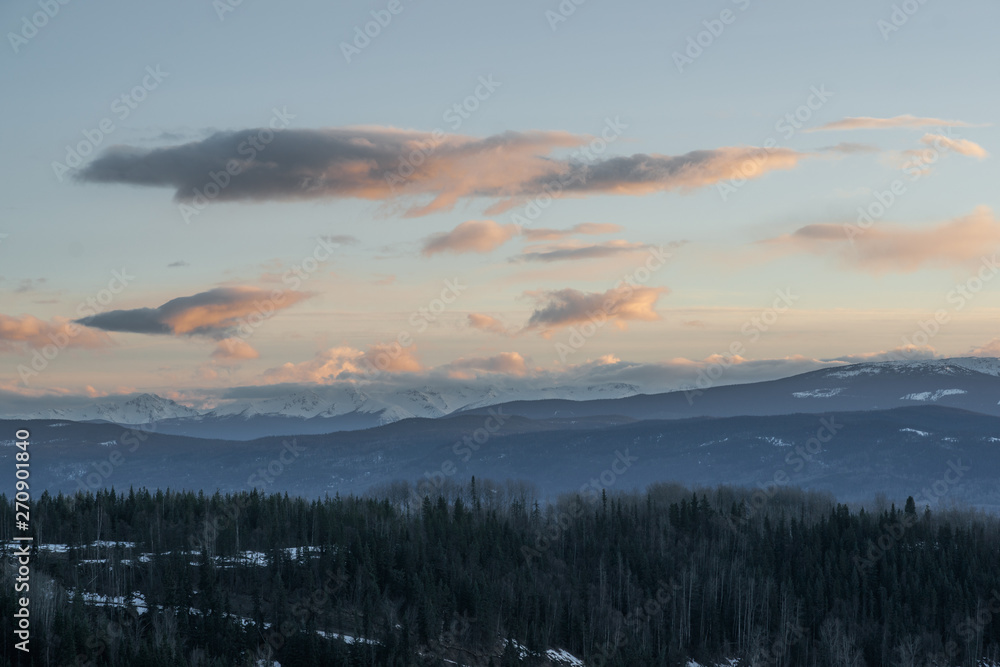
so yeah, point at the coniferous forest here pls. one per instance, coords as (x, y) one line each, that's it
(487, 574)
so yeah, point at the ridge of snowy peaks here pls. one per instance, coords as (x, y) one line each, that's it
(141, 409)
(952, 366)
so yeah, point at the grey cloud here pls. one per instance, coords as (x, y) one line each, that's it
(384, 164)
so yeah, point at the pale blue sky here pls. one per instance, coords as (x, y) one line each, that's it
(606, 60)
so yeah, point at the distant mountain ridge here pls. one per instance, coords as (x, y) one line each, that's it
(967, 383)
(937, 454)
(323, 409)
(971, 384)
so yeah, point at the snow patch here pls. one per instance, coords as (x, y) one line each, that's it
(932, 395)
(818, 393)
(563, 656)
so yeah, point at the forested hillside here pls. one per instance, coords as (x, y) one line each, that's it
(486, 575)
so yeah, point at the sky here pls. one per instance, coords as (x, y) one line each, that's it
(204, 198)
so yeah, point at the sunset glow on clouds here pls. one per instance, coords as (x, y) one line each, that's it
(892, 247)
(392, 218)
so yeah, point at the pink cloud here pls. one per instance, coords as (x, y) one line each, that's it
(234, 349)
(487, 323)
(505, 363)
(480, 236)
(565, 307)
(342, 362)
(872, 123)
(886, 247)
(30, 331)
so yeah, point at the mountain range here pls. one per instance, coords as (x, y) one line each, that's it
(930, 429)
(969, 383)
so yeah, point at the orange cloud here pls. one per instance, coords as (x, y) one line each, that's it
(565, 307)
(388, 164)
(471, 236)
(892, 248)
(505, 363)
(990, 349)
(960, 146)
(30, 331)
(234, 349)
(215, 312)
(871, 123)
(593, 228)
(487, 323)
(342, 362)
(574, 251)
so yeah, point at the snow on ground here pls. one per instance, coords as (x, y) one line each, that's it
(559, 656)
(256, 558)
(563, 656)
(347, 639)
(932, 396)
(818, 393)
(105, 544)
(107, 601)
(850, 372)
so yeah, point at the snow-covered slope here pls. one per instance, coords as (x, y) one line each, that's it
(141, 409)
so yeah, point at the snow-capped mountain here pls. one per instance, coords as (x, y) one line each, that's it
(141, 409)
(321, 409)
(969, 383)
